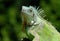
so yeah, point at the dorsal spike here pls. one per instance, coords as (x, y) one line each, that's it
(41, 13)
(38, 8)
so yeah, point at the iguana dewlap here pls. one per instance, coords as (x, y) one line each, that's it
(41, 29)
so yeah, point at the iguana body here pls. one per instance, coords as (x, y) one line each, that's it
(38, 27)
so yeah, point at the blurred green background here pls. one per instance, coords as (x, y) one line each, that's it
(10, 18)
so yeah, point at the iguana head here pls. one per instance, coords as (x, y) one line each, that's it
(28, 14)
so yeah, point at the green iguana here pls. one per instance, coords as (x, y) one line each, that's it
(40, 28)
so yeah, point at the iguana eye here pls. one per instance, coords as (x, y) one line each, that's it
(30, 10)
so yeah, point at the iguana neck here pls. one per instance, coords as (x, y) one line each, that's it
(37, 19)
